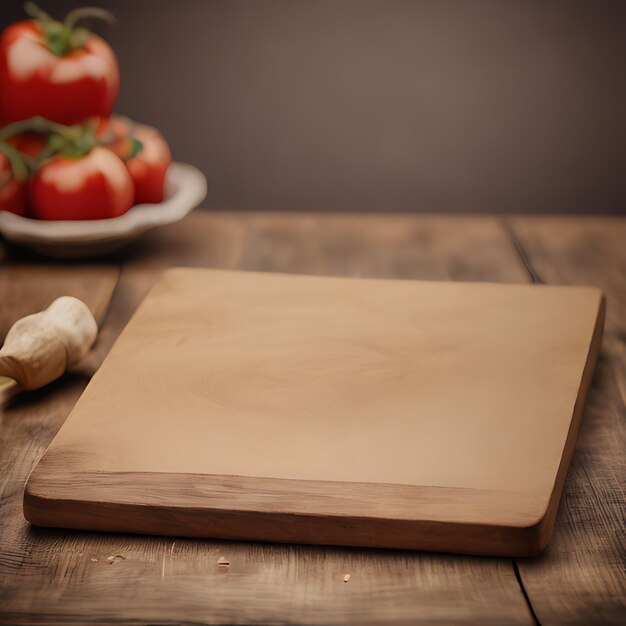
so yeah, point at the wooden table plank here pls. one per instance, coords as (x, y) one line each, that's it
(68, 577)
(424, 247)
(33, 419)
(580, 578)
(28, 287)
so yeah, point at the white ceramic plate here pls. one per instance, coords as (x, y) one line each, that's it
(185, 189)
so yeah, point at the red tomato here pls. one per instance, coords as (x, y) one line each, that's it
(115, 133)
(12, 191)
(90, 187)
(149, 166)
(146, 163)
(65, 88)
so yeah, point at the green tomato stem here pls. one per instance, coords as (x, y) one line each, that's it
(86, 12)
(16, 161)
(63, 37)
(74, 141)
(39, 124)
(32, 10)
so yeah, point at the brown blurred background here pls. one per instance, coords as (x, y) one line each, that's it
(435, 105)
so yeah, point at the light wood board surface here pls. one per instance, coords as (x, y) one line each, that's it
(338, 411)
(50, 576)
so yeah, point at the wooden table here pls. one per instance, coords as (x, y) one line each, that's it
(56, 576)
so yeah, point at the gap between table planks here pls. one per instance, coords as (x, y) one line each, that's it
(580, 578)
(50, 576)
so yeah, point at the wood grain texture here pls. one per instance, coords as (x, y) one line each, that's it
(262, 510)
(61, 577)
(334, 388)
(33, 418)
(580, 578)
(30, 287)
(382, 246)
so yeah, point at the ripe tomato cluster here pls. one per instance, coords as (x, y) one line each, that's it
(63, 156)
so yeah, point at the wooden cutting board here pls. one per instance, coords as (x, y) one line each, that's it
(402, 414)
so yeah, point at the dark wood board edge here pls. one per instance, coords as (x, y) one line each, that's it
(99, 503)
